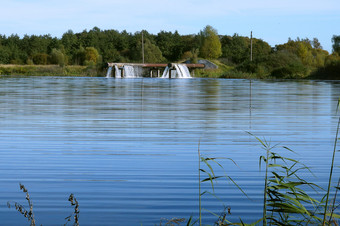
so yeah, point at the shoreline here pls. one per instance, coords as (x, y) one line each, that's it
(50, 70)
(95, 71)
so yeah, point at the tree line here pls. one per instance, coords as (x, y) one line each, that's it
(297, 58)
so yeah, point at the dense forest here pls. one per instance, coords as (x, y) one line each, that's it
(299, 58)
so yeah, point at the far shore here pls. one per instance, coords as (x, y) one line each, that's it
(50, 70)
(96, 71)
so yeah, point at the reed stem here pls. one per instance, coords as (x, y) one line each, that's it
(265, 191)
(331, 174)
(199, 185)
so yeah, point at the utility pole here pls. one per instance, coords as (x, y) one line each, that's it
(143, 46)
(251, 46)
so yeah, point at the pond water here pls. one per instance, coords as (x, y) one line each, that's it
(128, 148)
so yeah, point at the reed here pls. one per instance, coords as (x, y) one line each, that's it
(286, 201)
(331, 175)
(75, 213)
(171, 222)
(334, 206)
(286, 196)
(29, 214)
(267, 147)
(208, 170)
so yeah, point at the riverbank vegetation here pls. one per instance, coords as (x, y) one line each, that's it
(299, 58)
(50, 70)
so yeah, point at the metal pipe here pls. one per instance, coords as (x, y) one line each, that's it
(156, 65)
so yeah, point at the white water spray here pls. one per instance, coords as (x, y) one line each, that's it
(177, 71)
(129, 71)
(117, 72)
(109, 73)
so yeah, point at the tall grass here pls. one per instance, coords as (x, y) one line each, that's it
(209, 172)
(331, 172)
(285, 197)
(50, 70)
(286, 201)
(75, 213)
(30, 215)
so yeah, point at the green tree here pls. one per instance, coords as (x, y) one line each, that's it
(285, 64)
(261, 49)
(309, 52)
(152, 53)
(107, 44)
(336, 44)
(57, 57)
(17, 54)
(316, 44)
(79, 56)
(40, 58)
(330, 70)
(5, 55)
(91, 56)
(170, 44)
(211, 45)
(236, 48)
(71, 44)
(33, 44)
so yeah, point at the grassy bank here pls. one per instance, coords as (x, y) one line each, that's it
(224, 70)
(260, 70)
(50, 70)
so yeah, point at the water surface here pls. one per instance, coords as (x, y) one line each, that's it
(128, 148)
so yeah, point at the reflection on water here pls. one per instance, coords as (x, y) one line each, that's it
(127, 149)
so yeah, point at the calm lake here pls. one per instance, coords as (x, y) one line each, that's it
(128, 148)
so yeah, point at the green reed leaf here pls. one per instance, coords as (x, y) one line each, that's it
(210, 178)
(274, 165)
(334, 215)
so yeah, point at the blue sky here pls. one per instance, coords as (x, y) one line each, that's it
(273, 21)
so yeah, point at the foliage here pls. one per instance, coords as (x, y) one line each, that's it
(5, 55)
(303, 48)
(292, 70)
(331, 70)
(336, 44)
(236, 48)
(58, 57)
(170, 45)
(298, 58)
(152, 53)
(48, 70)
(40, 58)
(211, 46)
(91, 56)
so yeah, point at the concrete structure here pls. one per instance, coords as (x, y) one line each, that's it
(145, 70)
